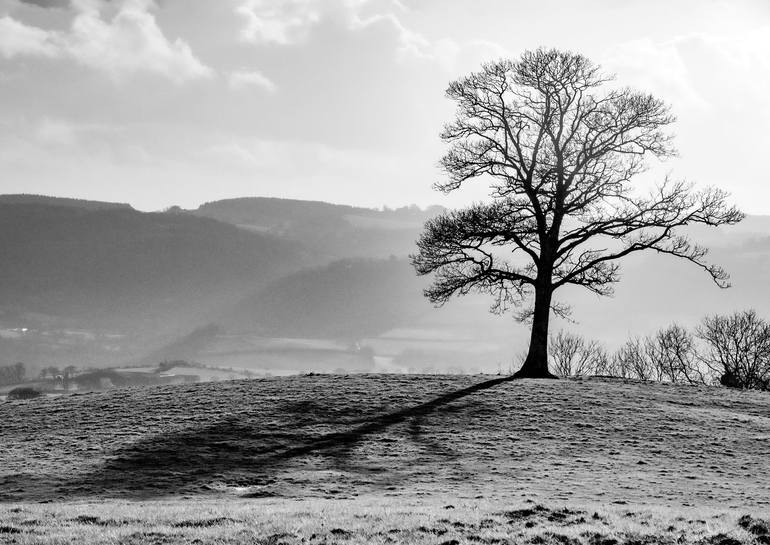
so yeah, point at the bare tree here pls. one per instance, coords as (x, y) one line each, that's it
(559, 146)
(635, 359)
(603, 363)
(675, 356)
(573, 355)
(738, 349)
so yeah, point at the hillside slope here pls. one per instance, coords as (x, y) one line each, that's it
(347, 299)
(643, 302)
(99, 284)
(333, 230)
(85, 204)
(56, 259)
(566, 441)
(125, 272)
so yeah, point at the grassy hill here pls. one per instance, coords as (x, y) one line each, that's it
(363, 458)
(435, 445)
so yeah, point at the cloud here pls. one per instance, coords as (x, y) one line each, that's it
(746, 56)
(282, 22)
(656, 67)
(675, 68)
(48, 3)
(63, 132)
(129, 43)
(298, 158)
(16, 38)
(410, 43)
(55, 132)
(241, 79)
(290, 22)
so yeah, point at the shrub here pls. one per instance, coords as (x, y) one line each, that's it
(635, 360)
(674, 355)
(737, 349)
(669, 355)
(573, 355)
(24, 392)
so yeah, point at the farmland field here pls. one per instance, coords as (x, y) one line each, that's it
(378, 457)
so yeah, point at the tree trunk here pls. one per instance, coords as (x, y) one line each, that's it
(536, 364)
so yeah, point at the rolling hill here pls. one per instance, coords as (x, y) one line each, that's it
(347, 299)
(94, 284)
(127, 273)
(85, 204)
(420, 459)
(331, 230)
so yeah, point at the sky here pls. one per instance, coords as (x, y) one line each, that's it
(180, 102)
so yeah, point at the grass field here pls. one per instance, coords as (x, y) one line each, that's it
(389, 458)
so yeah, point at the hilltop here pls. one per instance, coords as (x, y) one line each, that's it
(416, 459)
(333, 230)
(85, 204)
(329, 436)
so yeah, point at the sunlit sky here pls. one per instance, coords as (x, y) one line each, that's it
(178, 102)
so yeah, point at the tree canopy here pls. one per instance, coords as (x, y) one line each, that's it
(560, 146)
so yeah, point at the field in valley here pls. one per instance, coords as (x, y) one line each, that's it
(389, 458)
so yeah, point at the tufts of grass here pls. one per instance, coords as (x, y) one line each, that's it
(371, 520)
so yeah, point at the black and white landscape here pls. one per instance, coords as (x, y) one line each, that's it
(382, 271)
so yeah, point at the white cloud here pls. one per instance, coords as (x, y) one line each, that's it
(658, 68)
(130, 42)
(289, 22)
(16, 38)
(410, 43)
(299, 158)
(697, 70)
(747, 55)
(66, 132)
(241, 79)
(56, 132)
(282, 22)
(450, 55)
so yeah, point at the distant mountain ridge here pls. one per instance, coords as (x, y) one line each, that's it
(91, 283)
(25, 198)
(334, 230)
(141, 275)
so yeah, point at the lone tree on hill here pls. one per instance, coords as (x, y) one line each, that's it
(559, 147)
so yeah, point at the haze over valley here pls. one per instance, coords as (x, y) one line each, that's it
(284, 286)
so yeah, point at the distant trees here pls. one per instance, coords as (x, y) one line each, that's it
(559, 147)
(737, 348)
(573, 355)
(733, 350)
(632, 360)
(669, 355)
(675, 355)
(12, 374)
(51, 371)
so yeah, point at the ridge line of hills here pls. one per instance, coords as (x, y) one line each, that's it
(90, 283)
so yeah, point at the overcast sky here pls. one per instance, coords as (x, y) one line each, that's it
(186, 101)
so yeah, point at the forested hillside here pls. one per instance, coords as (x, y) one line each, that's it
(331, 230)
(97, 284)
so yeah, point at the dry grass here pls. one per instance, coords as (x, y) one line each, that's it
(365, 520)
(296, 458)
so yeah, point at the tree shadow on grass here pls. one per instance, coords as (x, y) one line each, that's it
(251, 454)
